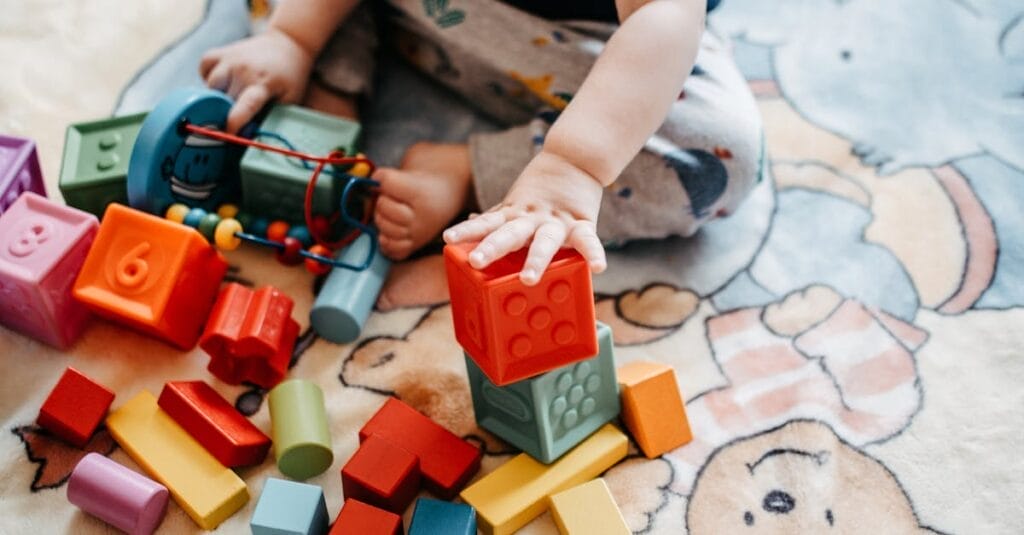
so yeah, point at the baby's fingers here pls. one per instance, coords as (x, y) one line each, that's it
(512, 236)
(584, 239)
(475, 228)
(208, 61)
(546, 242)
(249, 103)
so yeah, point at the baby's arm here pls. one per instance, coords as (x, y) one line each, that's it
(277, 62)
(623, 100)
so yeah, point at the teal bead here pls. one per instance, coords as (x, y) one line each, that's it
(302, 234)
(194, 216)
(208, 225)
(258, 227)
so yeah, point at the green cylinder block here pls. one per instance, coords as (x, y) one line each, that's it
(302, 438)
(347, 297)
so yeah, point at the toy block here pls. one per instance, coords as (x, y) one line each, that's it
(42, 248)
(358, 518)
(446, 461)
(274, 185)
(75, 407)
(434, 517)
(230, 437)
(94, 169)
(19, 170)
(514, 331)
(587, 509)
(302, 437)
(250, 335)
(347, 296)
(652, 407)
(547, 415)
(207, 490)
(151, 274)
(516, 492)
(289, 508)
(382, 474)
(116, 495)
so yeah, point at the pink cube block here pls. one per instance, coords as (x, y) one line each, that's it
(19, 170)
(42, 248)
(116, 495)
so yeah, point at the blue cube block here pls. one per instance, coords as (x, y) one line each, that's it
(290, 508)
(434, 517)
(548, 415)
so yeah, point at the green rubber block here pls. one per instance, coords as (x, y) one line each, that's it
(347, 297)
(94, 168)
(302, 437)
(290, 508)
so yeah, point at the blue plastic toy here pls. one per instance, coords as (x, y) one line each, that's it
(290, 508)
(434, 517)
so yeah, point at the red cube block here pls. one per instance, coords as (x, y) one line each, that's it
(230, 437)
(446, 461)
(358, 518)
(250, 335)
(513, 331)
(382, 474)
(75, 407)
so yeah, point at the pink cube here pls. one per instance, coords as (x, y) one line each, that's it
(125, 499)
(19, 170)
(42, 248)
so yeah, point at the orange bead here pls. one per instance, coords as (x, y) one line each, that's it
(278, 231)
(318, 268)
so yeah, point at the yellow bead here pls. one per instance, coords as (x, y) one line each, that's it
(227, 211)
(224, 234)
(177, 213)
(361, 169)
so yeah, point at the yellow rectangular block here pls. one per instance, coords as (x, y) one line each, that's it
(516, 493)
(587, 509)
(203, 487)
(652, 407)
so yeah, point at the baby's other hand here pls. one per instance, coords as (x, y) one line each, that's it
(270, 65)
(552, 203)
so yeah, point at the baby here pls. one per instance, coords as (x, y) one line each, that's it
(651, 109)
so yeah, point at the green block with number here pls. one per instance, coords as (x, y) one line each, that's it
(94, 168)
(274, 185)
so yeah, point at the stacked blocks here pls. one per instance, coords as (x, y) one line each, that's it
(547, 415)
(250, 335)
(513, 331)
(120, 497)
(42, 248)
(151, 274)
(19, 170)
(274, 185)
(588, 508)
(75, 407)
(652, 407)
(289, 508)
(302, 438)
(358, 518)
(434, 517)
(94, 169)
(214, 423)
(382, 474)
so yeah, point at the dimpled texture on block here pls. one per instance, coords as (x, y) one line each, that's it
(94, 168)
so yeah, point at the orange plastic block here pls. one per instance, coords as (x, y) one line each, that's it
(151, 274)
(652, 407)
(513, 331)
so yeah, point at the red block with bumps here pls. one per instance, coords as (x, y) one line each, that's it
(230, 437)
(75, 407)
(358, 518)
(513, 331)
(446, 461)
(382, 474)
(250, 335)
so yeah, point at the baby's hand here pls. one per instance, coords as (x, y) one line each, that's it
(552, 203)
(253, 71)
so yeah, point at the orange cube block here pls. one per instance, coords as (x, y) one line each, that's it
(652, 407)
(151, 274)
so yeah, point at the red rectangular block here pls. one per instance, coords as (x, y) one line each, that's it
(382, 474)
(358, 518)
(230, 437)
(75, 407)
(446, 461)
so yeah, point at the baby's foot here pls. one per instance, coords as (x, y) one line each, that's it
(419, 200)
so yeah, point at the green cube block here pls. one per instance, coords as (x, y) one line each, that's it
(274, 185)
(547, 415)
(94, 168)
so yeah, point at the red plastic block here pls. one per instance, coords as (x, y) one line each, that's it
(75, 407)
(151, 274)
(446, 461)
(42, 247)
(513, 331)
(213, 422)
(250, 335)
(382, 474)
(358, 518)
